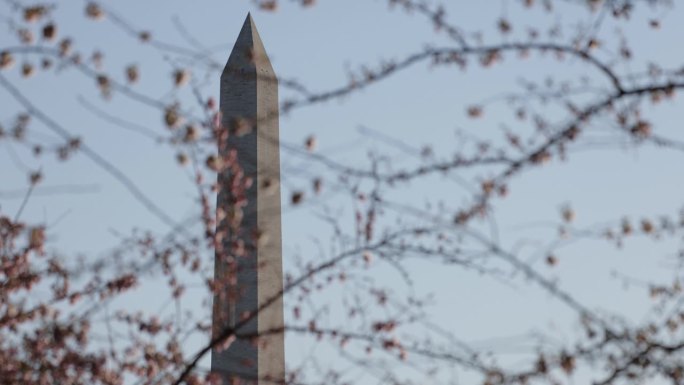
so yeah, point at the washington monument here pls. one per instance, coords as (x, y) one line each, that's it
(248, 264)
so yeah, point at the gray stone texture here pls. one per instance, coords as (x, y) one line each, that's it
(249, 107)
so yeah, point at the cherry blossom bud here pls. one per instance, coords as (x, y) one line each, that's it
(34, 13)
(27, 70)
(297, 197)
(94, 11)
(310, 143)
(6, 60)
(181, 77)
(49, 31)
(474, 111)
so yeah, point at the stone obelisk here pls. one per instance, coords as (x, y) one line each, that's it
(248, 268)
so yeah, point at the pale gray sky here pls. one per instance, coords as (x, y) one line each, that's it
(419, 106)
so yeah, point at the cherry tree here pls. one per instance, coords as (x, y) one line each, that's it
(548, 88)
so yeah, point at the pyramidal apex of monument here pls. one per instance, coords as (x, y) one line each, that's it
(248, 53)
